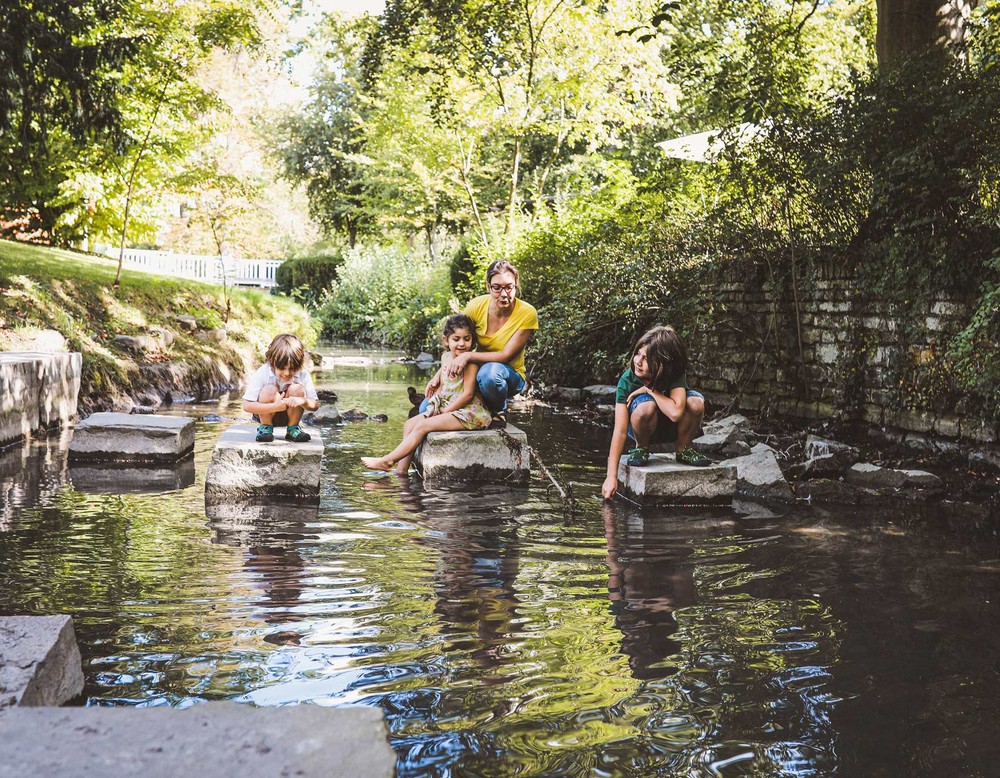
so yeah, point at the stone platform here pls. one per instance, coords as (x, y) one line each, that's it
(38, 390)
(243, 469)
(664, 480)
(217, 739)
(39, 663)
(490, 456)
(124, 437)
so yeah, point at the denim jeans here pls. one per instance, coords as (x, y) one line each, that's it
(666, 430)
(496, 381)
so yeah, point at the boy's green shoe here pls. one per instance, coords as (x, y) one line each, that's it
(265, 433)
(296, 435)
(638, 457)
(694, 458)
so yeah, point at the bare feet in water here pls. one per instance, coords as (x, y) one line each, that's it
(378, 463)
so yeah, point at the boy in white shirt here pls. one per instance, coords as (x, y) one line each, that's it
(281, 390)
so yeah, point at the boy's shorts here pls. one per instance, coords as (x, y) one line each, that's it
(666, 430)
(280, 419)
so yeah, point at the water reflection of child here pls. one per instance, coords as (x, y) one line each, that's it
(456, 405)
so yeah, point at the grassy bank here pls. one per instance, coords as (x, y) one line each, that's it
(50, 289)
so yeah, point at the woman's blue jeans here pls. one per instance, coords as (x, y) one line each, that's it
(497, 381)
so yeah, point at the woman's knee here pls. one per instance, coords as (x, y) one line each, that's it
(491, 374)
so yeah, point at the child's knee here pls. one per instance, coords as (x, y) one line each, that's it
(267, 394)
(295, 390)
(695, 406)
(644, 413)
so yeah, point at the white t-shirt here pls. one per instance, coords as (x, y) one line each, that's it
(265, 376)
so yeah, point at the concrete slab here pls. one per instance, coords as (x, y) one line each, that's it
(39, 662)
(243, 469)
(275, 523)
(92, 478)
(58, 383)
(664, 480)
(125, 437)
(490, 456)
(218, 739)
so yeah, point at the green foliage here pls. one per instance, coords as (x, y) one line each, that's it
(308, 277)
(387, 295)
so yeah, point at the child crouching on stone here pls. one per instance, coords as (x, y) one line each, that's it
(455, 406)
(653, 404)
(280, 391)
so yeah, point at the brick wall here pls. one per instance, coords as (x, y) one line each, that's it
(819, 349)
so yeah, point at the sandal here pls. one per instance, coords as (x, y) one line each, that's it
(694, 458)
(498, 422)
(265, 433)
(296, 435)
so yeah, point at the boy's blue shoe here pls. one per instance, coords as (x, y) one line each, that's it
(638, 457)
(265, 433)
(296, 435)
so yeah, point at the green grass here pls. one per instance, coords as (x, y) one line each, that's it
(44, 288)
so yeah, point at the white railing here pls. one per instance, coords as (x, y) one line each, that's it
(212, 270)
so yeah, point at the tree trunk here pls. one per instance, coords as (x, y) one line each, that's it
(908, 28)
(514, 175)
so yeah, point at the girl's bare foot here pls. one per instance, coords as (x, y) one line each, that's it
(377, 463)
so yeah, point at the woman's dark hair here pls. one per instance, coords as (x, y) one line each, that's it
(461, 322)
(665, 355)
(503, 266)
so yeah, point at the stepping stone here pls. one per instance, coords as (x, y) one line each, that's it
(39, 662)
(274, 524)
(19, 389)
(759, 477)
(243, 469)
(664, 480)
(218, 739)
(49, 400)
(124, 437)
(475, 455)
(92, 478)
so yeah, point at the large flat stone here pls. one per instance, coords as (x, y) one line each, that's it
(58, 383)
(759, 477)
(664, 480)
(124, 437)
(242, 468)
(39, 662)
(217, 739)
(19, 390)
(93, 478)
(475, 455)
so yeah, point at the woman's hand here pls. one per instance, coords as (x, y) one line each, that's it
(637, 392)
(610, 487)
(457, 365)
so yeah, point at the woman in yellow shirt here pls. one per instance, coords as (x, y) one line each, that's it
(504, 326)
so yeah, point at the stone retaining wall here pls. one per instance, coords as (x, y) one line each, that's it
(37, 391)
(822, 350)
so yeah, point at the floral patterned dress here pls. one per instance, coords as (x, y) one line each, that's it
(474, 416)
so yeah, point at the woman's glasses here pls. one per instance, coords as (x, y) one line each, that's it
(501, 288)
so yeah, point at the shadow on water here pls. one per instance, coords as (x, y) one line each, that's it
(501, 634)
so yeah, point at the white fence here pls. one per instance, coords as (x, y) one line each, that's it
(212, 270)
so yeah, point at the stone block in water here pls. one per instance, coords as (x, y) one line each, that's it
(108, 478)
(43, 400)
(39, 661)
(19, 390)
(243, 469)
(665, 480)
(224, 739)
(475, 455)
(124, 437)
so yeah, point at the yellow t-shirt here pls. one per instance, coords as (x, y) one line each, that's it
(523, 317)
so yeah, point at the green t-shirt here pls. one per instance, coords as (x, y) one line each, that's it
(629, 382)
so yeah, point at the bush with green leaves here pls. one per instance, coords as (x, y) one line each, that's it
(388, 295)
(308, 277)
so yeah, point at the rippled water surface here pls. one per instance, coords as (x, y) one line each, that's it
(503, 635)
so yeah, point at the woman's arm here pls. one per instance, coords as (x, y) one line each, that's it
(468, 390)
(618, 438)
(514, 346)
(671, 405)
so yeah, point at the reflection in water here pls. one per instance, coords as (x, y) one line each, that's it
(115, 479)
(502, 636)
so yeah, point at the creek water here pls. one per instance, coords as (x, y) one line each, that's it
(502, 634)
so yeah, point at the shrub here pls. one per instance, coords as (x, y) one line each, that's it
(308, 277)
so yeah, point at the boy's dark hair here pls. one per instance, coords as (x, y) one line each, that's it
(461, 322)
(285, 351)
(665, 355)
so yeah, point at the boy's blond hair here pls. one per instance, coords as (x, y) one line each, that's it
(286, 351)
